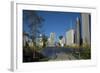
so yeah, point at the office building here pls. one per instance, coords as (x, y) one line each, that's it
(86, 28)
(51, 40)
(78, 32)
(70, 37)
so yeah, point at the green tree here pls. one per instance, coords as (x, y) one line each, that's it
(60, 37)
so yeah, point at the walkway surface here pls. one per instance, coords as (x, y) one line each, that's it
(63, 56)
(59, 54)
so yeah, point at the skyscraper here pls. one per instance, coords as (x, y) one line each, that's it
(86, 28)
(70, 37)
(78, 31)
(51, 40)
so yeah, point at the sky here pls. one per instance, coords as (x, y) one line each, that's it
(58, 22)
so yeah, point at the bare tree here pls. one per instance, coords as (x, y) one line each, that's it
(34, 22)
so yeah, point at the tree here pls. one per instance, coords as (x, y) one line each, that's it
(60, 37)
(34, 22)
(45, 39)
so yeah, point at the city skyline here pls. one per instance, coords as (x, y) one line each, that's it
(50, 35)
(58, 22)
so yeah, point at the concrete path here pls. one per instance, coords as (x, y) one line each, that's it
(63, 56)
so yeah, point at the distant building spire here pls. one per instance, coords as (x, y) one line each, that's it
(77, 20)
(77, 31)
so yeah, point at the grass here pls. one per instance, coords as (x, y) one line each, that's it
(86, 53)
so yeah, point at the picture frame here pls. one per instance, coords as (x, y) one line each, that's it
(17, 31)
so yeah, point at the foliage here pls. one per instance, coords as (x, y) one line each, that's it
(45, 39)
(60, 37)
(86, 53)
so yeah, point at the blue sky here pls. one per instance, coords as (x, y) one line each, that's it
(58, 22)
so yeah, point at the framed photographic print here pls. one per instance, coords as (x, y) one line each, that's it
(52, 36)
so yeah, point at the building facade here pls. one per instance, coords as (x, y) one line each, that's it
(69, 37)
(86, 28)
(78, 32)
(51, 40)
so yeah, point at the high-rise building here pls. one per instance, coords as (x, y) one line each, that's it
(70, 37)
(86, 32)
(78, 32)
(51, 40)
